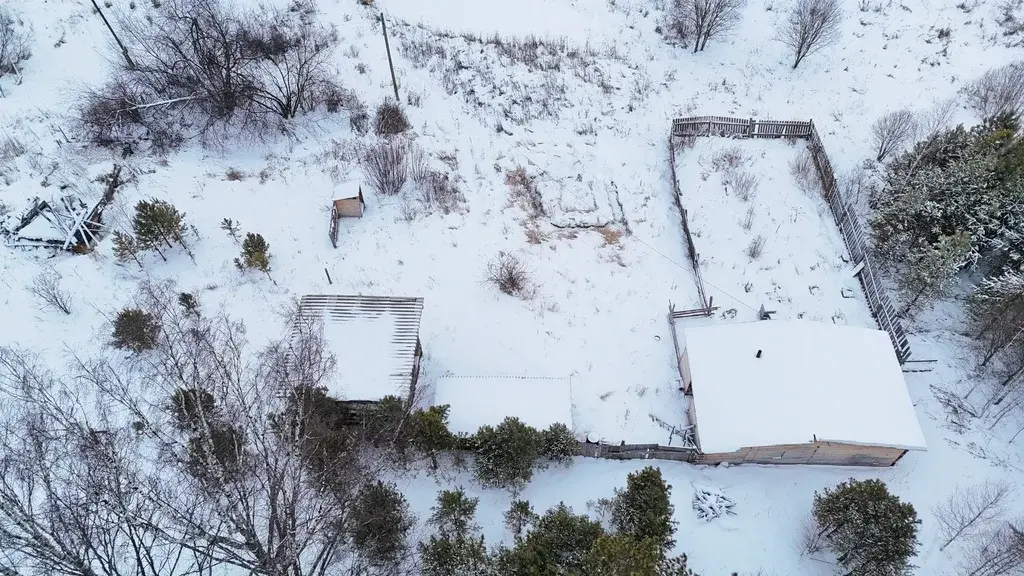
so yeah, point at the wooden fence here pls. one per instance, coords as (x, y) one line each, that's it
(844, 215)
(638, 452)
(691, 250)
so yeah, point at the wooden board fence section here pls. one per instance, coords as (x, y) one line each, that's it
(638, 452)
(691, 250)
(853, 234)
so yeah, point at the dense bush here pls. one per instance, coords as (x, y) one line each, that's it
(507, 454)
(870, 530)
(390, 119)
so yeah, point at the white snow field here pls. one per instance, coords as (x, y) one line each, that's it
(588, 118)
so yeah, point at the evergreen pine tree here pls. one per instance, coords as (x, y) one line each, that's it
(617, 555)
(379, 523)
(519, 516)
(560, 445)
(505, 455)
(558, 544)
(871, 531)
(255, 254)
(456, 548)
(643, 510)
(931, 275)
(159, 223)
(189, 303)
(126, 248)
(232, 227)
(135, 330)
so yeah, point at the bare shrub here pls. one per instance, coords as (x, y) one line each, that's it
(523, 189)
(998, 90)
(971, 509)
(705, 19)
(804, 173)
(234, 175)
(508, 273)
(892, 131)
(748, 218)
(855, 186)
(386, 167)
(440, 190)
(390, 119)
(998, 551)
(15, 42)
(811, 539)
(202, 65)
(811, 26)
(730, 158)
(743, 183)
(46, 286)
(756, 247)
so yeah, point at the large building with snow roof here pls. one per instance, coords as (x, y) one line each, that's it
(797, 392)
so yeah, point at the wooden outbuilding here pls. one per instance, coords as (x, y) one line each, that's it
(375, 340)
(797, 392)
(349, 206)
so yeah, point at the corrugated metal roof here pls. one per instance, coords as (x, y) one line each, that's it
(380, 373)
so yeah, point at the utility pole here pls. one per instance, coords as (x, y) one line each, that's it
(124, 51)
(387, 46)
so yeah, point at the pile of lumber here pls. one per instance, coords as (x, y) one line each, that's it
(711, 503)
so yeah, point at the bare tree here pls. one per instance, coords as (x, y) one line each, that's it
(72, 497)
(999, 551)
(202, 65)
(892, 131)
(706, 19)
(15, 42)
(971, 508)
(46, 286)
(242, 440)
(998, 90)
(811, 26)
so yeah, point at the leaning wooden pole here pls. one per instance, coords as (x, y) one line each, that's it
(124, 51)
(391, 64)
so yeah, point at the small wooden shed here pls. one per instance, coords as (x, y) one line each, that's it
(350, 205)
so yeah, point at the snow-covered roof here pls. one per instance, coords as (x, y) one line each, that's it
(476, 401)
(347, 190)
(814, 380)
(374, 339)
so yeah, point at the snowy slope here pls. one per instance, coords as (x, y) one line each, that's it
(590, 120)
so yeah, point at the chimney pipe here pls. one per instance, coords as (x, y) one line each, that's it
(758, 353)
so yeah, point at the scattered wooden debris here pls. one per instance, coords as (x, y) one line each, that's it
(711, 503)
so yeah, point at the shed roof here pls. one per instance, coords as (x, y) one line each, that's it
(476, 401)
(813, 381)
(374, 339)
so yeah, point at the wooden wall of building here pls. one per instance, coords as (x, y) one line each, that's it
(820, 453)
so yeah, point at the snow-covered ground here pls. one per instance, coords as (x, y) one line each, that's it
(588, 120)
(802, 267)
